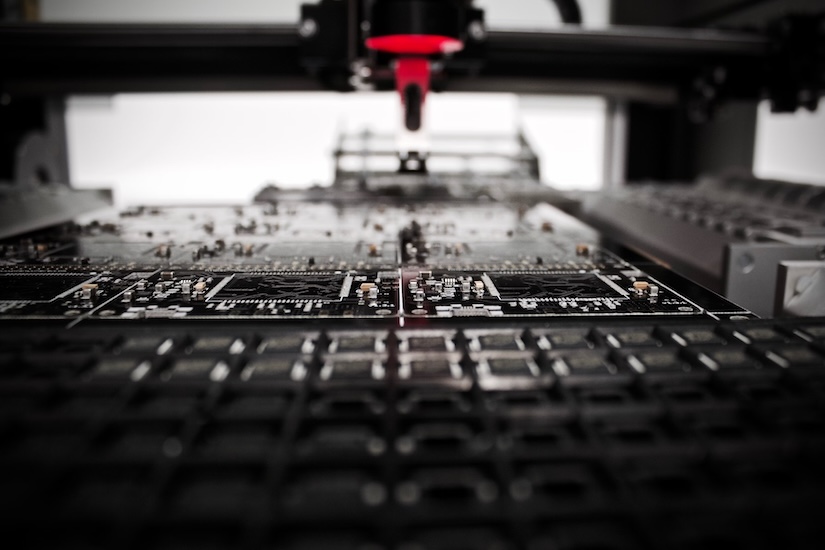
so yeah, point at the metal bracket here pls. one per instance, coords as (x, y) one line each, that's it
(34, 168)
(752, 270)
(800, 289)
(33, 135)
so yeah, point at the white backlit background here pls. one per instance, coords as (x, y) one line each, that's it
(223, 147)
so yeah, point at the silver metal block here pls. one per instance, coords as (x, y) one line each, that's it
(800, 289)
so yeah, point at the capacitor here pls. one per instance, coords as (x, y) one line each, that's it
(640, 288)
(88, 292)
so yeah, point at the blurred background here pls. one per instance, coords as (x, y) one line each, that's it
(219, 147)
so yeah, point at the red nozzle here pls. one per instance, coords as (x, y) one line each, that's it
(412, 69)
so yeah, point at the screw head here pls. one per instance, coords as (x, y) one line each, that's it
(746, 263)
(476, 30)
(308, 28)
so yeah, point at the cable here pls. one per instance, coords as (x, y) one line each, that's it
(569, 11)
(719, 13)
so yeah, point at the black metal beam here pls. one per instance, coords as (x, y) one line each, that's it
(63, 59)
(46, 59)
(645, 62)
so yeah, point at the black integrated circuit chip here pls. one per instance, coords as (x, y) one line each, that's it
(293, 288)
(550, 285)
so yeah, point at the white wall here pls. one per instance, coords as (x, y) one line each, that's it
(791, 146)
(224, 147)
(568, 135)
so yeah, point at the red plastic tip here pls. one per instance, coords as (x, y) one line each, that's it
(415, 44)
